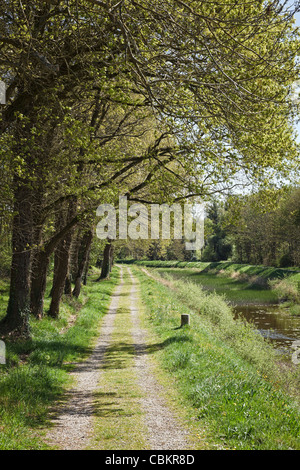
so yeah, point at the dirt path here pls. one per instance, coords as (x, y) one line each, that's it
(74, 423)
(73, 420)
(165, 431)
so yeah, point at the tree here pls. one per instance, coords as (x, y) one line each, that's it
(217, 247)
(264, 234)
(107, 260)
(82, 261)
(214, 79)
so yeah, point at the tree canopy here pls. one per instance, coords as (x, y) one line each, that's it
(159, 101)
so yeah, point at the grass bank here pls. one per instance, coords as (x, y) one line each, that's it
(241, 284)
(36, 372)
(267, 272)
(222, 369)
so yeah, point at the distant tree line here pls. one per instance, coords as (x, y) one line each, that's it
(246, 230)
(249, 229)
(154, 250)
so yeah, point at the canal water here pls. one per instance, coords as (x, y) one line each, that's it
(273, 322)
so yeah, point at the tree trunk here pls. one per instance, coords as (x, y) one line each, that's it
(73, 262)
(59, 277)
(86, 269)
(83, 255)
(111, 260)
(38, 284)
(16, 320)
(39, 268)
(39, 274)
(107, 261)
(68, 284)
(62, 265)
(74, 254)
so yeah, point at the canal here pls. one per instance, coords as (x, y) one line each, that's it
(273, 322)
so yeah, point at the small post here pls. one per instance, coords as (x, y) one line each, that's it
(2, 353)
(185, 319)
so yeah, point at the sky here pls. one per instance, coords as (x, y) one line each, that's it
(297, 18)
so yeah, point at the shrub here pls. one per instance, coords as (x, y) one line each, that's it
(286, 289)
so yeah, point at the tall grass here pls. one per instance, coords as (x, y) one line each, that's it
(236, 288)
(225, 372)
(287, 289)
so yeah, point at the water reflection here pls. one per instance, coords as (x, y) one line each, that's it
(273, 322)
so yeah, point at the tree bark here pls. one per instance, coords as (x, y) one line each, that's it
(73, 262)
(16, 320)
(38, 284)
(68, 284)
(83, 255)
(107, 261)
(59, 277)
(39, 268)
(62, 267)
(86, 269)
(39, 276)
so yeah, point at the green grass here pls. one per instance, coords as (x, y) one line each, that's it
(237, 291)
(288, 290)
(222, 369)
(118, 417)
(4, 294)
(36, 371)
(228, 267)
(240, 283)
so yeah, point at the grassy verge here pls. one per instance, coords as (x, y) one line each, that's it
(228, 267)
(36, 371)
(242, 284)
(222, 369)
(237, 291)
(288, 291)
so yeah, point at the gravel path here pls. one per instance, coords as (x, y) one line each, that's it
(73, 421)
(165, 432)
